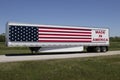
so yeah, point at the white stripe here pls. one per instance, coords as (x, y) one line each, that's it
(64, 33)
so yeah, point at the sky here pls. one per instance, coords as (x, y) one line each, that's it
(90, 13)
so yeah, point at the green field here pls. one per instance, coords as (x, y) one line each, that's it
(11, 50)
(114, 43)
(96, 68)
(114, 46)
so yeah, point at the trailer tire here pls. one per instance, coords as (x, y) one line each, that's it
(104, 49)
(97, 49)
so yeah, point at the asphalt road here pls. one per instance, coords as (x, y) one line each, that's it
(29, 57)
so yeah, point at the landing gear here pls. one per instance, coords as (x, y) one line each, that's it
(34, 49)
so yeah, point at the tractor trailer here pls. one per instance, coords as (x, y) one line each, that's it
(52, 38)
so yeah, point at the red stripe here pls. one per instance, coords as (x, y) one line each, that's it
(63, 38)
(65, 34)
(64, 41)
(64, 28)
(63, 31)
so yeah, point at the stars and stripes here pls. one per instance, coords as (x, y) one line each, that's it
(48, 34)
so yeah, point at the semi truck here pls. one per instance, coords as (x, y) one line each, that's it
(52, 38)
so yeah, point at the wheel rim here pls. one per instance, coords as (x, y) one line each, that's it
(104, 49)
(97, 49)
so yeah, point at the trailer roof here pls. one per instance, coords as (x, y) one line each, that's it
(43, 25)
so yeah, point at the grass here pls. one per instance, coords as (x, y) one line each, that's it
(14, 51)
(114, 46)
(96, 68)
(11, 50)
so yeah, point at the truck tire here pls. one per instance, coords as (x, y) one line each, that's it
(104, 49)
(97, 49)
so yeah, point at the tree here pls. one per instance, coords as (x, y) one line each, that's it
(2, 37)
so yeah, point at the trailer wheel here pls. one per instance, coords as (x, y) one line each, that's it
(104, 49)
(97, 49)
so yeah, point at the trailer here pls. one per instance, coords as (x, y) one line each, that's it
(52, 38)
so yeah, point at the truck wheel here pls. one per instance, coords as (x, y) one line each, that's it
(97, 49)
(104, 49)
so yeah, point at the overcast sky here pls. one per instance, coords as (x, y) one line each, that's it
(91, 13)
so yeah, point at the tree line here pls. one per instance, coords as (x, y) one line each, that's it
(115, 39)
(2, 37)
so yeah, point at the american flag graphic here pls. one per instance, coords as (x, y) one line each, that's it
(48, 34)
(23, 33)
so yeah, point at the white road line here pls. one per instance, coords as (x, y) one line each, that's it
(4, 58)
